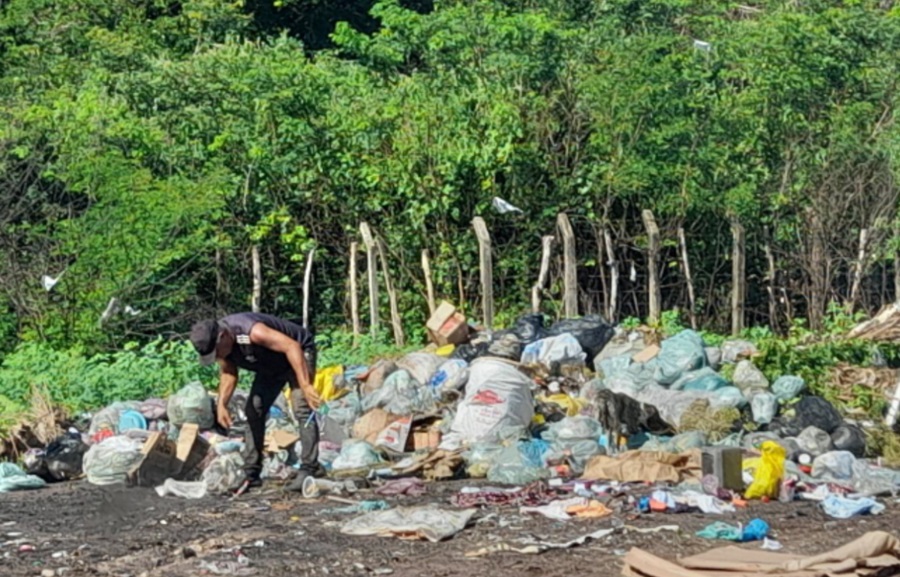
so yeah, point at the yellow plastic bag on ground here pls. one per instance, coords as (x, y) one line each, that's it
(323, 383)
(768, 475)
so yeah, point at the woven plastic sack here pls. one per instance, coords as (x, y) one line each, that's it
(451, 376)
(191, 404)
(767, 478)
(421, 366)
(109, 461)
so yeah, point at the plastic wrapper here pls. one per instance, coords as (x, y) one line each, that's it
(153, 409)
(764, 407)
(356, 454)
(591, 331)
(788, 387)
(224, 473)
(505, 474)
(579, 427)
(191, 404)
(768, 475)
(275, 466)
(677, 444)
(184, 489)
(871, 480)
(678, 355)
(109, 461)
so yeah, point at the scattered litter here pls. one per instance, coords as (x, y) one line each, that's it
(427, 522)
(755, 530)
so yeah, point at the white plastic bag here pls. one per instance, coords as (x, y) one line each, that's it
(224, 473)
(185, 489)
(400, 395)
(547, 352)
(451, 376)
(355, 454)
(191, 405)
(497, 396)
(109, 461)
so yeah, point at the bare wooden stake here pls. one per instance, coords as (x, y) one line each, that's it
(570, 273)
(372, 272)
(354, 292)
(429, 285)
(256, 295)
(613, 276)
(859, 269)
(652, 263)
(692, 311)
(738, 277)
(771, 273)
(487, 270)
(307, 281)
(396, 322)
(546, 251)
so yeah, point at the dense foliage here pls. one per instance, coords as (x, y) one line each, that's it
(145, 146)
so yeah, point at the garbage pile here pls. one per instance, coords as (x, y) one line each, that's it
(568, 411)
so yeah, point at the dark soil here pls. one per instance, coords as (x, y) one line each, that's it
(77, 529)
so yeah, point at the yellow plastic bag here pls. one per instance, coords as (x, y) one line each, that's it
(769, 473)
(572, 405)
(323, 383)
(445, 351)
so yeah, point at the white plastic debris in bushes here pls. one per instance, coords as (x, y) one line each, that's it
(498, 396)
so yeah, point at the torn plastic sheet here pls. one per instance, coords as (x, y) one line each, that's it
(426, 522)
(541, 546)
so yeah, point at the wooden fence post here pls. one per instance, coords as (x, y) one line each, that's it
(487, 270)
(738, 277)
(396, 322)
(256, 295)
(858, 271)
(429, 285)
(772, 274)
(371, 270)
(354, 292)
(682, 243)
(307, 281)
(546, 251)
(570, 273)
(652, 263)
(613, 276)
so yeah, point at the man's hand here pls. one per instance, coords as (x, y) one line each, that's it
(224, 417)
(312, 397)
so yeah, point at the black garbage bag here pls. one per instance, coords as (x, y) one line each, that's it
(469, 352)
(808, 412)
(61, 460)
(619, 413)
(592, 332)
(506, 345)
(850, 438)
(529, 328)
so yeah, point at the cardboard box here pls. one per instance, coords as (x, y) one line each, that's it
(280, 440)
(163, 459)
(447, 326)
(395, 435)
(429, 439)
(371, 424)
(647, 354)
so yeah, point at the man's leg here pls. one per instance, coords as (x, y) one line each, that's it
(309, 428)
(262, 395)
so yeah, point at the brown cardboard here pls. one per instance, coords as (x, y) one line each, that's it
(394, 436)
(371, 424)
(644, 466)
(649, 353)
(157, 464)
(428, 439)
(190, 451)
(447, 326)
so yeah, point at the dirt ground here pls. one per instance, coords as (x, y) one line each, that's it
(77, 529)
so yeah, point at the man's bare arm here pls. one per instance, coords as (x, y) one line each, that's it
(282, 343)
(228, 377)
